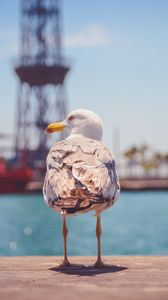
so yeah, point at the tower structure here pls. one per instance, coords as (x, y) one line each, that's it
(41, 70)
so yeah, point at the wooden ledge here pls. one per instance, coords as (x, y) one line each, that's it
(128, 277)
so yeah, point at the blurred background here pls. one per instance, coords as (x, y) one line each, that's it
(105, 56)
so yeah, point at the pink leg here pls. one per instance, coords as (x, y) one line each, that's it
(99, 262)
(66, 262)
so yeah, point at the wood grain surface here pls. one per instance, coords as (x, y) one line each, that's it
(126, 277)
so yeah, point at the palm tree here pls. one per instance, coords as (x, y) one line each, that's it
(130, 156)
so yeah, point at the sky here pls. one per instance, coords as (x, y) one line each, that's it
(118, 53)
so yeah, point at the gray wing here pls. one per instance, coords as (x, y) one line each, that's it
(80, 173)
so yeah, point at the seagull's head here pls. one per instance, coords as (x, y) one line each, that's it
(81, 122)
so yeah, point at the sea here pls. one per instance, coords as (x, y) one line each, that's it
(136, 225)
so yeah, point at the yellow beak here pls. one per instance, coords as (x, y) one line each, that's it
(55, 127)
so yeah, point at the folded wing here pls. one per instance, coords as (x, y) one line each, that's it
(80, 175)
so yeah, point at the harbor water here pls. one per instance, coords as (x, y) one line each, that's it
(136, 225)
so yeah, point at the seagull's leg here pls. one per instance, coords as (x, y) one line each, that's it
(99, 262)
(64, 233)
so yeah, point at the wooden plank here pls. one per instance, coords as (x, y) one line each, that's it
(128, 277)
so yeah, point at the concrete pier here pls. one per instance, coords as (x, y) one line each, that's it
(127, 277)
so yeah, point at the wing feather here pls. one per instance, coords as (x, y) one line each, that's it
(80, 169)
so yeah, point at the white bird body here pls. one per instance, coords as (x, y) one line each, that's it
(81, 173)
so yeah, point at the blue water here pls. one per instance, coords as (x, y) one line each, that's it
(136, 225)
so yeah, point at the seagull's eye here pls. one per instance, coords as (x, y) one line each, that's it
(71, 118)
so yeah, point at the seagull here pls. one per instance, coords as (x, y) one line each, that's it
(81, 174)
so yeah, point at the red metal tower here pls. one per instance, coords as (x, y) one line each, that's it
(41, 70)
